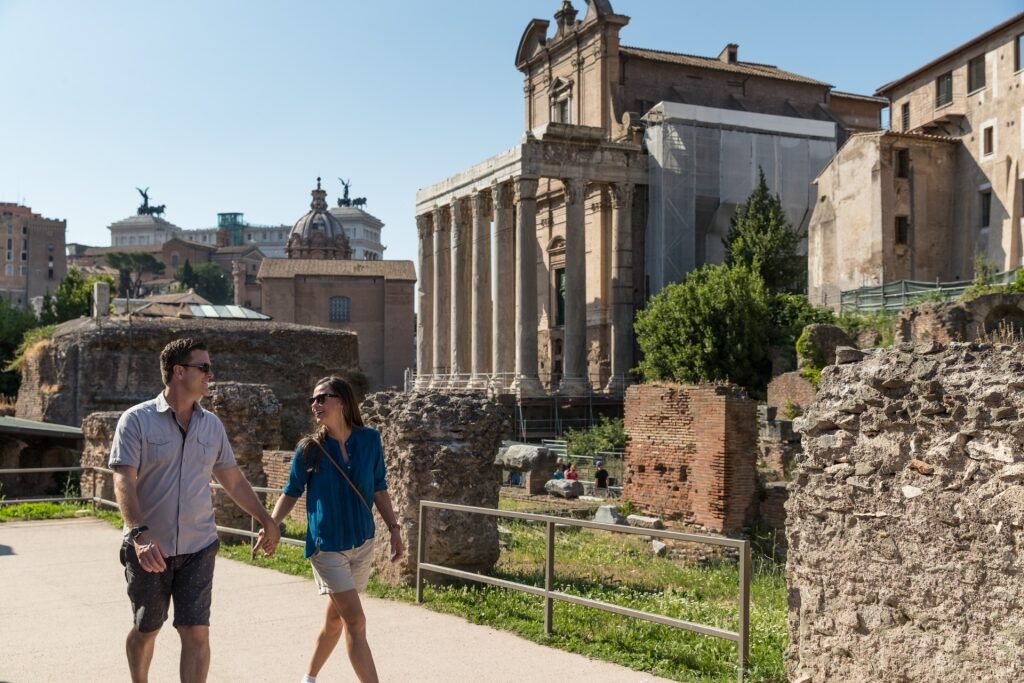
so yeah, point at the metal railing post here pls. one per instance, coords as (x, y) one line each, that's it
(744, 626)
(419, 556)
(549, 579)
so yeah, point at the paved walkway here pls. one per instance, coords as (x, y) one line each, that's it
(64, 614)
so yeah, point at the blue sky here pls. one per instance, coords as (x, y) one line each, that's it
(223, 105)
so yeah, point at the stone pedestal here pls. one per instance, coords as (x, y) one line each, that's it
(98, 432)
(438, 447)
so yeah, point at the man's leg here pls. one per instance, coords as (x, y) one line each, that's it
(140, 648)
(195, 653)
(327, 639)
(350, 610)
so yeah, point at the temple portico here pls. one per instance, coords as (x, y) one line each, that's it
(498, 310)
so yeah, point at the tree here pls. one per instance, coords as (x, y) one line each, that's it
(714, 325)
(129, 264)
(208, 280)
(762, 240)
(14, 323)
(790, 314)
(73, 297)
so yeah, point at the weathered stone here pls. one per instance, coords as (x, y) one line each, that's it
(537, 462)
(658, 549)
(848, 354)
(822, 340)
(609, 514)
(439, 447)
(98, 432)
(914, 553)
(645, 522)
(564, 488)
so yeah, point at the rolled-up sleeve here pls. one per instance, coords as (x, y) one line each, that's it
(126, 448)
(380, 482)
(297, 476)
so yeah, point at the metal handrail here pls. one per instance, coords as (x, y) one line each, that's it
(740, 637)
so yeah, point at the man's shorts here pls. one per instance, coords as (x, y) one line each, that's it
(188, 579)
(345, 570)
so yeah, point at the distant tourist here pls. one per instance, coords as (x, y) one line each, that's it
(340, 468)
(163, 455)
(600, 476)
(559, 472)
(571, 473)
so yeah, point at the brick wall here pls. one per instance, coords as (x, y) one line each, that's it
(276, 465)
(792, 387)
(691, 453)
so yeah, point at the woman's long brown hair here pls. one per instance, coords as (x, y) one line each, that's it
(350, 410)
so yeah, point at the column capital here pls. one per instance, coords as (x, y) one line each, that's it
(622, 195)
(481, 201)
(425, 225)
(574, 188)
(526, 188)
(442, 219)
(502, 195)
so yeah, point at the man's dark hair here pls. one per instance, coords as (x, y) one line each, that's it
(177, 353)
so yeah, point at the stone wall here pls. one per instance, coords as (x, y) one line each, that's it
(98, 431)
(30, 451)
(949, 321)
(790, 387)
(442, 448)
(691, 453)
(88, 366)
(906, 519)
(276, 467)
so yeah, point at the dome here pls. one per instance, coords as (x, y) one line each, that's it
(318, 234)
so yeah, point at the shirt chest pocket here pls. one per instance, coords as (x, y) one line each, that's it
(161, 448)
(207, 448)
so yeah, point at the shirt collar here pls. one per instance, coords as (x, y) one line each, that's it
(162, 406)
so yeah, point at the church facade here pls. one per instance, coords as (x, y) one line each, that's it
(631, 165)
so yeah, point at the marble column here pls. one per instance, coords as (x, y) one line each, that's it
(480, 343)
(574, 349)
(425, 298)
(526, 382)
(622, 286)
(461, 282)
(442, 309)
(503, 339)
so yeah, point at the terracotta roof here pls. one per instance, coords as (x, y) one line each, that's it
(745, 68)
(855, 96)
(189, 297)
(287, 268)
(892, 85)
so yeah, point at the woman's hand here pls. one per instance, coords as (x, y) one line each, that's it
(397, 547)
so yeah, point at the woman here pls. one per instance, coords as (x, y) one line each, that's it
(340, 468)
(571, 473)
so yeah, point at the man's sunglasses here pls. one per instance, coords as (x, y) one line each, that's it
(320, 399)
(204, 368)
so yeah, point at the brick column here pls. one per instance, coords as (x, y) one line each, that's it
(425, 298)
(526, 382)
(574, 354)
(480, 344)
(442, 310)
(503, 348)
(622, 286)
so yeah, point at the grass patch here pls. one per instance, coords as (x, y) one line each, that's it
(27, 511)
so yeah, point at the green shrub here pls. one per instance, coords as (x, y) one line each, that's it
(608, 434)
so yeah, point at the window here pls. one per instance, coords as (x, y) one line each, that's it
(340, 309)
(986, 208)
(174, 260)
(905, 116)
(9, 269)
(23, 270)
(24, 230)
(561, 111)
(902, 163)
(902, 230)
(560, 296)
(1018, 48)
(944, 89)
(976, 73)
(988, 141)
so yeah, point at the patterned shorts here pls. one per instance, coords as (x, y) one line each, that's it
(188, 580)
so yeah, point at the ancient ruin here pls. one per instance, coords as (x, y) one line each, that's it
(89, 366)
(906, 518)
(962, 320)
(439, 447)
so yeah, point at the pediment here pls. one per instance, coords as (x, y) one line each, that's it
(533, 40)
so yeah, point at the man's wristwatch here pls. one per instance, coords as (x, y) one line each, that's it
(137, 531)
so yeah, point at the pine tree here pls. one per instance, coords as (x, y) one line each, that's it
(762, 240)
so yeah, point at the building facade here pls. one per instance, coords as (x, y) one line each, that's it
(33, 261)
(943, 187)
(632, 163)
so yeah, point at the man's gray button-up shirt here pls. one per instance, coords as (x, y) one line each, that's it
(174, 471)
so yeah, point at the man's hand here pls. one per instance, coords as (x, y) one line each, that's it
(151, 556)
(397, 547)
(267, 540)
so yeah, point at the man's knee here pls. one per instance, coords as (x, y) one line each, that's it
(194, 636)
(137, 637)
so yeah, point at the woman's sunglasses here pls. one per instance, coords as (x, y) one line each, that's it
(320, 399)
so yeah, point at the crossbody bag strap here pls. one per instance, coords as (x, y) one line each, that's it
(342, 473)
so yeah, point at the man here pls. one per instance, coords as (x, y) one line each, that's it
(163, 455)
(600, 476)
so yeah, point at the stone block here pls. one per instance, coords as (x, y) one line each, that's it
(645, 522)
(564, 488)
(609, 514)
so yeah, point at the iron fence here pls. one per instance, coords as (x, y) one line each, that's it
(895, 296)
(550, 595)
